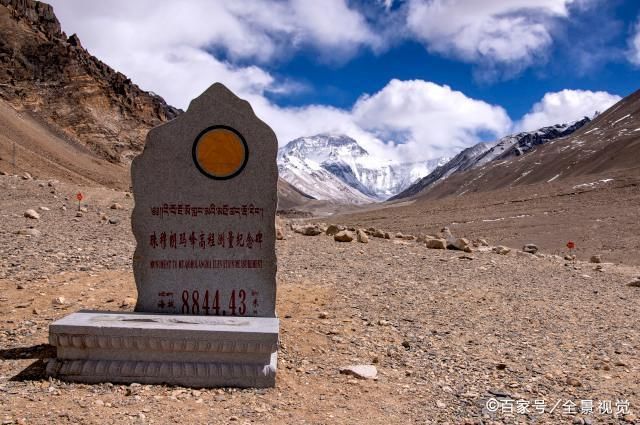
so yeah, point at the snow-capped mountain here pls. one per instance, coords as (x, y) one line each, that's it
(337, 168)
(483, 153)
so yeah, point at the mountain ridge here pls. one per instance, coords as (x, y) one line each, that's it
(482, 153)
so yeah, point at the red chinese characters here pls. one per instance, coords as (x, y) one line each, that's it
(205, 240)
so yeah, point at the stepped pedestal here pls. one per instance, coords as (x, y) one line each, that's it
(193, 351)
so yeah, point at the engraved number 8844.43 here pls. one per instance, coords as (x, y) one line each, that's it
(210, 303)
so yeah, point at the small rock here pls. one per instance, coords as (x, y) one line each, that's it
(44, 208)
(360, 371)
(362, 236)
(440, 405)
(79, 214)
(308, 230)
(84, 209)
(530, 248)
(332, 229)
(595, 259)
(634, 283)
(27, 176)
(114, 220)
(323, 315)
(279, 233)
(377, 233)
(3, 173)
(32, 214)
(116, 206)
(574, 382)
(436, 244)
(29, 232)
(387, 235)
(343, 236)
(59, 301)
(502, 250)
(128, 302)
(570, 257)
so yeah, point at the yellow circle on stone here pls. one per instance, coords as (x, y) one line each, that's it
(220, 153)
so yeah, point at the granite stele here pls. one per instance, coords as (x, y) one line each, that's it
(205, 189)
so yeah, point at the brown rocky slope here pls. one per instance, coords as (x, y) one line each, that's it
(51, 76)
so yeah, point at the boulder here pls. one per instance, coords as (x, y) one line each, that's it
(502, 250)
(308, 230)
(332, 229)
(460, 244)
(32, 214)
(437, 243)
(361, 236)
(530, 248)
(343, 236)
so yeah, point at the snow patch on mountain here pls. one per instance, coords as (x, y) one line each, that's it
(336, 167)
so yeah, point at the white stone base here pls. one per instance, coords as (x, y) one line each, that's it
(193, 351)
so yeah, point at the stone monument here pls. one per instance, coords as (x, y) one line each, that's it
(205, 190)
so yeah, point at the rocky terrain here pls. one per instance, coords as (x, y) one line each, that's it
(52, 77)
(446, 330)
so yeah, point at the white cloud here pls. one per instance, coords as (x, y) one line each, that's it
(566, 106)
(508, 33)
(170, 49)
(634, 45)
(175, 51)
(433, 120)
(256, 30)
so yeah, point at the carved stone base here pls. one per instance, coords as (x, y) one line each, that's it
(194, 351)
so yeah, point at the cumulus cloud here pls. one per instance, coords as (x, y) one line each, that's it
(512, 34)
(566, 106)
(428, 119)
(172, 50)
(179, 51)
(251, 29)
(634, 45)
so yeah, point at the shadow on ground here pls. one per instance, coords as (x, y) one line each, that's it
(35, 371)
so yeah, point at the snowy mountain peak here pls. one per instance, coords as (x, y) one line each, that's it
(324, 147)
(335, 167)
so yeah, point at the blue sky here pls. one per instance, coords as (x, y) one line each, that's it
(414, 79)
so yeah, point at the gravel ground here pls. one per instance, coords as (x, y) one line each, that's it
(447, 331)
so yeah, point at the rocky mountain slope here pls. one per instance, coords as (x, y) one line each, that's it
(50, 75)
(337, 168)
(607, 146)
(65, 114)
(483, 153)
